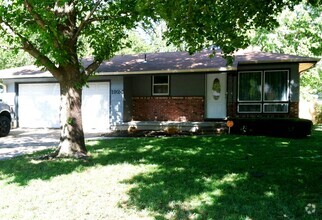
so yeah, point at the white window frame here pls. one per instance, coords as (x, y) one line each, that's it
(276, 104)
(243, 104)
(160, 84)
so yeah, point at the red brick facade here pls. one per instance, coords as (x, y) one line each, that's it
(168, 108)
(294, 110)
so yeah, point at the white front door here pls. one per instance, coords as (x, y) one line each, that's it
(216, 100)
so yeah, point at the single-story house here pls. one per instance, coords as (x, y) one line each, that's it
(165, 87)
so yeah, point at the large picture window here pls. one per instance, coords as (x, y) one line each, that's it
(160, 85)
(263, 91)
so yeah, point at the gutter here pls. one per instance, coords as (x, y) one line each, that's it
(154, 72)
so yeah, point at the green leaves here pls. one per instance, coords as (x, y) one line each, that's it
(56, 28)
(300, 33)
(204, 23)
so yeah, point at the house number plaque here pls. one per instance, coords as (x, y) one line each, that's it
(116, 92)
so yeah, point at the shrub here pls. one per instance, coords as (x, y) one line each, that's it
(318, 113)
(295, 127)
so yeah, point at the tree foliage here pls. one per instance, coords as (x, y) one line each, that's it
(300, 33)
(200, 24)
(10, 59)
(148, 40)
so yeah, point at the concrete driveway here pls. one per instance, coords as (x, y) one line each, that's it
(25, 141)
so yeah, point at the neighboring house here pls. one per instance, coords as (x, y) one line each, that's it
(163, 87)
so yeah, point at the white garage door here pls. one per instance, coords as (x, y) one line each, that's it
(39, 106)
(96, 106)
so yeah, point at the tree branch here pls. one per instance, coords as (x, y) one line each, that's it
(86, 20)
(89, 70)
(36, 16)
(42, 24)
(44, 60)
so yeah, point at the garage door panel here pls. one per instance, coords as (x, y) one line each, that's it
(39, 105)
(95, 108)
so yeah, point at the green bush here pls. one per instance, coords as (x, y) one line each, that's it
(318, 111)
(295, 127)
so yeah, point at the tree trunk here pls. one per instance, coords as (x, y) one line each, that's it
(72, 141)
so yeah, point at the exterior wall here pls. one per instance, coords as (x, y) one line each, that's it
(185, 102)
(117, 99)
(168, 108)
(127, 102)
(180, 85)
(187, 85)
(294, 83)
(141, 85)
(232, 94)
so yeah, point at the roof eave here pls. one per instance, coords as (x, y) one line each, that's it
(205, 70)
(304, 64)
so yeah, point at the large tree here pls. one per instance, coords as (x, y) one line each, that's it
(55, 32)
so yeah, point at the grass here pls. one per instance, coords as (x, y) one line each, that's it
(204, 177)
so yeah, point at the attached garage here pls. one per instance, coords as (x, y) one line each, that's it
(38, 105)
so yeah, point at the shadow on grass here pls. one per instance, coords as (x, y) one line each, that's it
(219, 177)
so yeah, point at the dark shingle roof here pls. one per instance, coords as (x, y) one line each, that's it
(171, 62)
(182, 61)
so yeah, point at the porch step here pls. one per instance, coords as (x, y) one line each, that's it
(218, 126)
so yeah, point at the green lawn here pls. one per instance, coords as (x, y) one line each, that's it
(204, 177)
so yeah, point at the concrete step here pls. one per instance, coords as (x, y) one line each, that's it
(217, 126)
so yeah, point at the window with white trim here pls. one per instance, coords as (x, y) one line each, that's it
(160, 85)
(263, 91)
